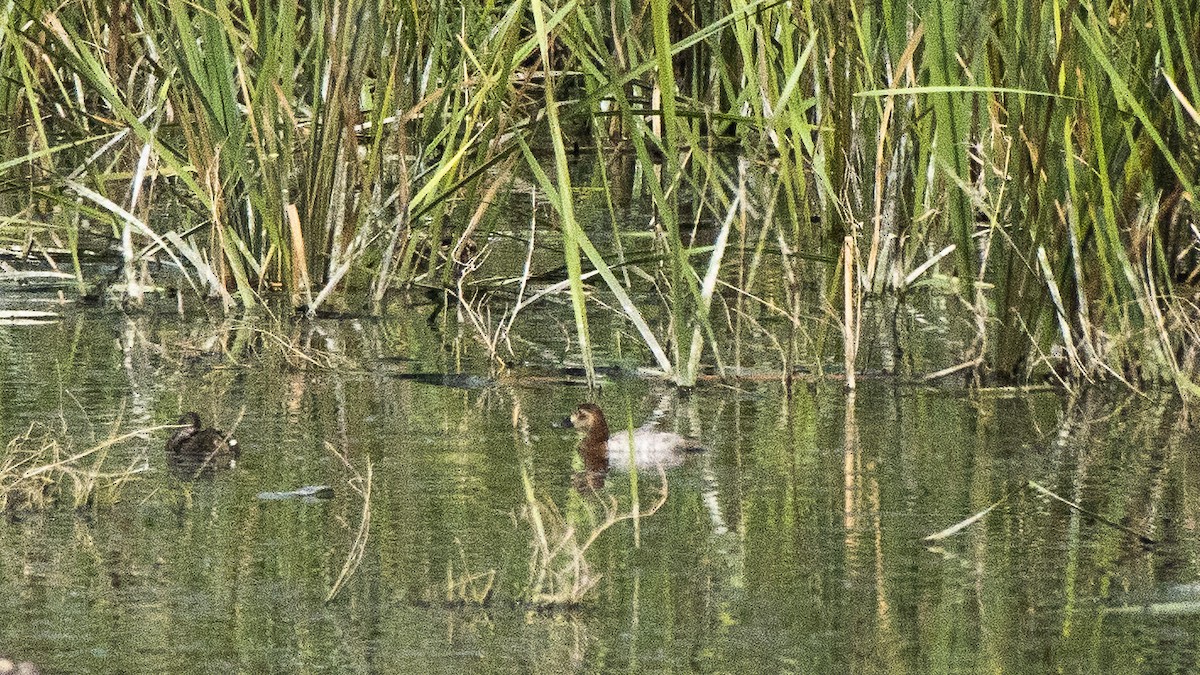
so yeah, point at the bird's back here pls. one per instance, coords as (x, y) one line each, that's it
(650, 448)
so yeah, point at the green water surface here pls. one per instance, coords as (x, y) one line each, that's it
(794, 545)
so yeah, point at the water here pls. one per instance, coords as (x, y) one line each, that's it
(794, 545)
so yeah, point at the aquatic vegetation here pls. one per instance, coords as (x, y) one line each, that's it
(559, 572)
(771, 172)
(39, 469)
(359, 483)
(468, 588)
(1049, 494)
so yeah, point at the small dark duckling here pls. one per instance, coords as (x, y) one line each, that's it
(206, 448)
(601, 452)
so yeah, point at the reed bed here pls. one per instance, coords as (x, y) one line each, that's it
(1035, 161)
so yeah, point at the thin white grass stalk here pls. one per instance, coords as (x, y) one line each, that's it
(950, 370)
(110, 206)
(709, 284)
(553, 289)
(196, 259)
(1060, 311)
(1183, 100)
(525, 272)
(963, 524)
(481, 321)
(935, 259)
(18, 314)
(349, 257)
(1085, 319)
(133, 286)
(889, 107)
(399, 226)
(358, 548)
(335, 222)
(849, 322)
(139, 175)
(34, 274)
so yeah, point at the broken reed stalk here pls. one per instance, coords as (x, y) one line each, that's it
(361, 484)
(1091, 514)
(1047, 492)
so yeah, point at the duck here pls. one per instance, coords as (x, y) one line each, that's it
(601, 452)
(191, 444)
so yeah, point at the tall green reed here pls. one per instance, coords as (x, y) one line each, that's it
(336, 152)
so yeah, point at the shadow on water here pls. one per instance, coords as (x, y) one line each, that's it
(794, 544)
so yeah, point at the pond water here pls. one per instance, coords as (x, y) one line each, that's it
(795, 544)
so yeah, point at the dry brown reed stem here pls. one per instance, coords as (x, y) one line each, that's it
(300, 280)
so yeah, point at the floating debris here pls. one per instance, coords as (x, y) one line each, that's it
(308, 493)
(22, 275)
(27, 317)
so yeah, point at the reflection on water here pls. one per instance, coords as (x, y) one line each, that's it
(795, 544)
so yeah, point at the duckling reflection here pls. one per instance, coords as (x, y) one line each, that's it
(193, 451)
(648, 448)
